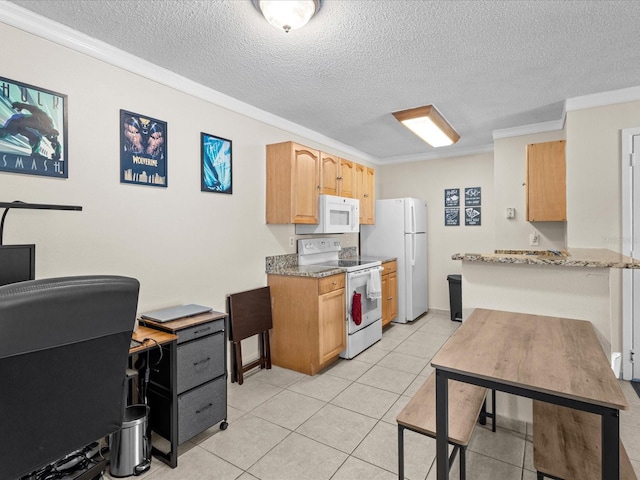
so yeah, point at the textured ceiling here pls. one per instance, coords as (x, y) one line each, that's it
(486, 65)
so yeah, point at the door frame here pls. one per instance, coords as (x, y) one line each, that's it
(627, 245)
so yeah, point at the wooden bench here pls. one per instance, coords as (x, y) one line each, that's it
(466, 407)
(566, 444)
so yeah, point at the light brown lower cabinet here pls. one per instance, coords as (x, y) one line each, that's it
(309, 315)
(389, 292)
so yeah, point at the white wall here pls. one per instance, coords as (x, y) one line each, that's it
(428, 180)
(185, 246)
(510, 173)
(594, 187)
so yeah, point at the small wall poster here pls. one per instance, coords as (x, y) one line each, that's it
(472, 196)
(451, 217)
(33, 130)
(452, 197)
(143, 150)
(473, 216)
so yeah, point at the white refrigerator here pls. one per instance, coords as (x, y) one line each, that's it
(401, 231)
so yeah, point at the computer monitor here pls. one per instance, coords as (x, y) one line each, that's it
(17, 263)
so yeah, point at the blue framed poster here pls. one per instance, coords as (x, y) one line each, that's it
(33, 130)
(143, 150)
(215, 164)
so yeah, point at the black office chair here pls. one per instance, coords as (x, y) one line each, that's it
(64, 345)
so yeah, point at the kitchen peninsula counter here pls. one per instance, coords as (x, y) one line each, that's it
(577, 283)
(574, 257)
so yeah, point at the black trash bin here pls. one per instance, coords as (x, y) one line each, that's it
(455, 297)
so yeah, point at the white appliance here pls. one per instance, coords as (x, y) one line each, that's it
(359, 273)
(401, 231)
(335, 215)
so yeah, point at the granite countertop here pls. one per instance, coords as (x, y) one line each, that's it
(573, 257)
(288, 265)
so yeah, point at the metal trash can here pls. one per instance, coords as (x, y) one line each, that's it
(455, 297)
(130, 446)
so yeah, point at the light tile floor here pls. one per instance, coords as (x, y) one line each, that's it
(340, 424)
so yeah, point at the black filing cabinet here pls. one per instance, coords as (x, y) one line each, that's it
(201, 376)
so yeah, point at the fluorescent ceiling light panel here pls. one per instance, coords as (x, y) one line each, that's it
(428, 124)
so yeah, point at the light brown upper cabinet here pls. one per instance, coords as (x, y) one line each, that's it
(365, 192)
(336, 175)
(293, 183)
(546, 182)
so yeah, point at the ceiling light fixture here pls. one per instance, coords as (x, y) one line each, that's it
(427, 123)
(288, 14)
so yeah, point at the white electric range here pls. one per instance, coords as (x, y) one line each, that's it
(362, 277)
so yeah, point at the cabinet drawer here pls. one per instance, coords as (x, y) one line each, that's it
(200, 361)
(329, 284)
(389, 267)
(201, 330)
(201, 408)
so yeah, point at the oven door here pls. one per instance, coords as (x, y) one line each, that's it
(371, 308)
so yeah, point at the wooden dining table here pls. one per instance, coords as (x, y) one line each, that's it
(551, 359)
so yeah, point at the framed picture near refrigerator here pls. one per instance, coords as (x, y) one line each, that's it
(400, 231)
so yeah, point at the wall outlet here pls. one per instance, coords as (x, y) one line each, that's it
(511, 213)
(292, 241)
(534, 239)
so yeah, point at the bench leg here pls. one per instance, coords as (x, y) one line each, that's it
(540, 476)
(400, 452)
(463, 463)
(483, 413)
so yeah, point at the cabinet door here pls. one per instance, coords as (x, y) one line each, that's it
(329, 174)
(393, 296)
(305, 185)
(385, 302)
(359, 181)
(546, 182)
(332, 328)
(367, 203)
(346, 179)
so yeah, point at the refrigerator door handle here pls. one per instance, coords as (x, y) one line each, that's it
(413, 218)
(413, 249)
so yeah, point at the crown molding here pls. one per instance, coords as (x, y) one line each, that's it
(418, 157)
(542, 127)
(30, 22)
(602, 99)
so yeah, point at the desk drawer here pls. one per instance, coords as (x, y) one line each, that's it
(201, 408)
(200, 361)
(201, 330)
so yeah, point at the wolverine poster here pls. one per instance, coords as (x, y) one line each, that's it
(33, 130)
(143, 150)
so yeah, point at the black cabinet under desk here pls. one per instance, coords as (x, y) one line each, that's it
(201, 376)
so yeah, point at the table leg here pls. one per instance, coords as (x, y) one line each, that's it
(442, 425)
(611, 445)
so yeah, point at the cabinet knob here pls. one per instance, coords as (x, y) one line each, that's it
(334, 283)
(389, 298)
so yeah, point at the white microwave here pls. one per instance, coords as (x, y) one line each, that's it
(335, 215)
